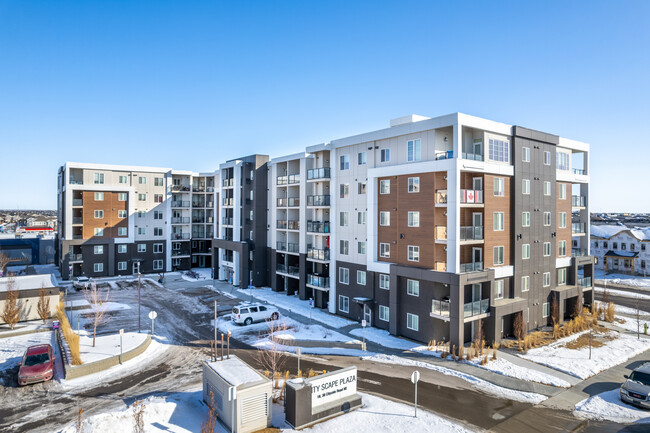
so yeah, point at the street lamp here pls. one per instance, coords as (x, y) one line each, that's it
(139, 301)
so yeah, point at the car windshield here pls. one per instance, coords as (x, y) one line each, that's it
(32, 360)
(638, 376)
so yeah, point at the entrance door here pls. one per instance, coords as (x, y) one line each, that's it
(477, 147)
(476, 292)
(136, 268)
(367, 315)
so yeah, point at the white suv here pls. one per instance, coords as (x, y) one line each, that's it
(248, 313)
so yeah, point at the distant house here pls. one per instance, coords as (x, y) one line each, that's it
(28, 288)
(621, 249)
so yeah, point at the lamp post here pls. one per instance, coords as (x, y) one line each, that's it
(139, 301)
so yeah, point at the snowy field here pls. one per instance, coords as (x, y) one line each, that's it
(12, 349)
(622, 293)
(636, 281)
(183, 412)
(608, 406)
(576, 362)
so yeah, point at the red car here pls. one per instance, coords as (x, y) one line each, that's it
(37, 365)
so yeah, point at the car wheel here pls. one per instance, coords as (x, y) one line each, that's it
(248, 321)
(275, 316)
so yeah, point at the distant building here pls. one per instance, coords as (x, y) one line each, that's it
(620, 249)
(28, 288)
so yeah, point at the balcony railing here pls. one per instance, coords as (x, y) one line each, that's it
(209, 204)
(180, 188)
(291, 270)
(177, 236)
(476, 308)
(227, 221)
(77, 237)
(77, 202)
(294, 178)
(441, 196)
(228, 201)
(578, 201)
(77, 220)
(198, 188)
(179, 253)
(180, 204)
(471, 233)
(289, 202)
(318, 173)
(282, 180)
(281, 224)
(76, 258)
(210, 235)
(473, 156)
(315, 254)
(318, 200)
(209, 189)
(293, 225)
(74, 181)
(578, 227)
(180, 220)
(198, 204)
(577, 252)
(471, 196)
(440, 266)
(584, 282)
(293, 248)
(318, 281)
(281, 246)
(441, 233)
(445, 154)
(471, 267)
(228, 182)
(318, 226)
(440, 308)
(579, 171)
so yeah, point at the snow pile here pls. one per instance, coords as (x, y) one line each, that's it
(107, 345)
(383, 338)
(608, 406)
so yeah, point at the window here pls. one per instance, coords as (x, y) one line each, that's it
(99, 196)
(157, 215)
(623, 246)
(384, 218)
(413, 287)
(251, 195)
(525, 219)
(99, 214)
(499, 188)
(361, 278)
(642, 247)
(142, 180)
(384, 186)
(546, 280)
(99, 232)
(562, 161)
(525, 284)
(414, 184)
(385, 155)
(142, 197)
(344, 247)
(499, 150)
(547, 249)
(547, 188)
(525, 154)
(343, 219)
(632, 247)
(157, 231)
(142, 230)
(121, 196)
(361, 217)
(345, 162)
(158, 181)
(614, 246)
(547, 218)
(362, 187)
(561, 276)
(498, 224)
(98, 267)
(414, 219)
(344, 276)
(498, 255)
(121, 248)
(525, 251)
(123, 179)
(562, 192)
(595, 244)
(384, 250)
(98, 249)
(498, 289)
(121, 231)
(361, 157)
(361, 247)
(142, 248)
(158, 198)
(251, 215)
(413, 253)
(344, 190)
(562, 220)
(384, 281)
(546, 309)
(344, 304)
(384, 313)
(99, 178)
(412, 321)
(413, 150)
(157, 265)
(561, 248)
(525, 186)
(547, 158)
(121, 266)
(141, 214)
(121, 214)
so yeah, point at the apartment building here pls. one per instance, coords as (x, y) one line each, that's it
(620, 249)
(121, 220)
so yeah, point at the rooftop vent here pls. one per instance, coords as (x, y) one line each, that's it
(411, 118)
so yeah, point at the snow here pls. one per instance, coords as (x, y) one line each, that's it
(107, 345)
(295, 305)
(480, 384)
(606, 231)
(294, 331)
(608, 406)
(638, 282)
(12, 349)
(576, 362)
(204, 273)
(622, 293)
(383, 338)
(235, 372)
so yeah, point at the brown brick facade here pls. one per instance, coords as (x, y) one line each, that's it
(110, 222)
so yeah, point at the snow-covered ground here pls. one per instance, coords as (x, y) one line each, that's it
(608, 406)
(204, 274)
(294, 331)
(636, 281)
(480, 384)
(622, 293)
(12, 349)
(107, 345)
(576, 362)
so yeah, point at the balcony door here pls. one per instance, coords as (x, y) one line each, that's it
(476, 292)
(136, 268)
(477, 183)
(477, 255)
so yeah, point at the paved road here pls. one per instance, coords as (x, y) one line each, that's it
(631, 302)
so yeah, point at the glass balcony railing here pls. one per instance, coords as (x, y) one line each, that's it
(584, 282)
(180, 204)
(281, 246)
(228, 201)
(293, 248)
(471, 196)
(473, 156)
(179, 236)
(440, 308)
(293, 178)
(476, 308)
(293, 225)
(291, 270)
(176, 188)
(77, 202)
(281, 180)
(578, 201)
(316, 254)
(318, 173)
(318, 200)
(471, 233)
(77, 220)
(318, 226)
(281, 224)
(228, 182)
(445, 154)
(289, 202)
(227, 221)
(577, 252)
(318, 281)
(471, 267)
(578, 227)
(180, 220)
(579, 171)
(76, 257)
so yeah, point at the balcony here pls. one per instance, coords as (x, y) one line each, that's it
(198, 204)
(209, 204)
(440, 308)
(180, 236)
(294, 178)
(471, 267)
(441, 233)
(291, 270)
(209, 189)
(440, 266)
(228, 182)
(176, 253)
(289, 202)
(578, 228)
(579, 171)
(210, 235)
(209, 220)
(476, 308)
(445, 154)
(77, 237)
(177, 188)
(180, 220)
(318, 226)
(281, 224)
(77, 220)
(318, 281)
(281, 180)
(318, 173)
(228, 201)
(281, 246)
(227, 221)
(577, 252)
(75, 258)
(181, 204)
(74, 181)
(315, 254)
(584, 282)
(77, 202)
(471, 233)
(441, 197)
(318, 200)
(472, 156)
(471, 196)
(293, 225)
(198, 189)
(198, 220)
(578, 201)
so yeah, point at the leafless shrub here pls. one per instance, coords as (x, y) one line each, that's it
(79, 423)
(210, 422)
(138, 416)
(271, 356)
(11, 311)
(609, 312)
(43, 306)
(99, 310)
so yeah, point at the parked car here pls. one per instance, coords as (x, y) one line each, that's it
(248, 313)
(81, 283)
(37, 365)
(636, 389)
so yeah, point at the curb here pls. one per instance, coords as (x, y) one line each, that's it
(31, 331)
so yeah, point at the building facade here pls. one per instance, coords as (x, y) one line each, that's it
(621, 250)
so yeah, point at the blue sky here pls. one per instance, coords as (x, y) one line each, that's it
(189, 84)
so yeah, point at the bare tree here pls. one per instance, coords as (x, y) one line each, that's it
(43, 305)
(577, 308)
(11, 311)
(79, 423)
(138, 416)
(4, 259)
(555, 311)
(271, 356)
(520, 326)
(97, 302)
(208, 425)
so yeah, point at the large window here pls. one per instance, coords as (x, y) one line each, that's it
(142, 197)
(413, 253)
(499, 187)
(158, 198)
(414, 219)
(414, 184)
(561, 223)
(98, 232)
(546, 280)
(98, 249)
(361, 247)
(384, 218)
(413, 287)
(121, 266)
(384, 313)
(385, 155)
(99, 214)
(142, 180)
(561, 276)
(547, 249)
(157, 248)
(121, 248)
(157, 265)
(384, 250)
(343, 219)
(546, 309)
(361, 278)
(142, 230)
(121, 214)
(361, 217)
(157, 231)
(98, 267)
(547, 158)
(121, 196)
(99, 178)
(344, 276)
(344, 247)
(158, 215)
(498, 223)
(158, 181)
(413, 150)
(562, 192)
(561, 248)
(345, 162)
(498, 255)
(562, 161)
(547, 187)
(362, 187)
(525, 219)
(498, 289)
(121, 231)
(123, 179)
(344, 190)
(525, 154)
(361, 158)
(525, 284)
(99, 196)
(499, 150)
(344, 304)
(525, 251)
(384, 186)
(525, 186)
(142, 248)
(412, 321)
(547, 218)
(384, 281)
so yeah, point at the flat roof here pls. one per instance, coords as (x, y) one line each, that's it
(235, 371)
(29, 282)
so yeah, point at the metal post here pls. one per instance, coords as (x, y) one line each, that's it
(228, 344)
(298, 351)
(416, 399)
(222, 346)
(215, 329)
(139, 327)
(590, 334)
